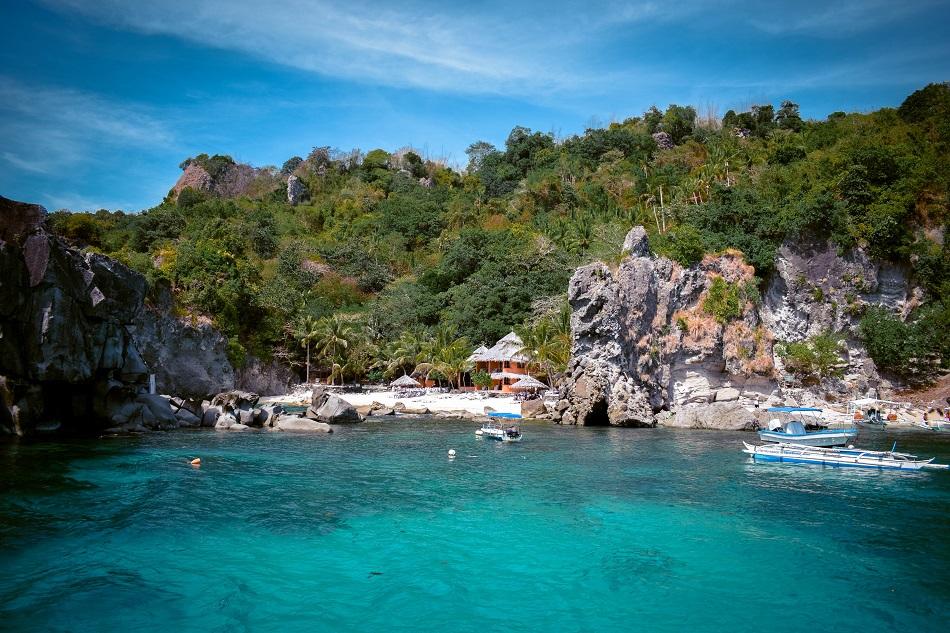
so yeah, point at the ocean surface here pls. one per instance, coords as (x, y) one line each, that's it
(373, 528)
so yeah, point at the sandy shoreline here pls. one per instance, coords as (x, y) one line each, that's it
(436, 403)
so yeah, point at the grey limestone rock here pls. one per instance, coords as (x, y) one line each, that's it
(302, 425)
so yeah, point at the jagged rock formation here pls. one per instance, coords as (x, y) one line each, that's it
(644, 340)
(65, 348)
(71, 337)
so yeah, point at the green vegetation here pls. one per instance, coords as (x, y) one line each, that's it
(815, 358)
(912, 350)
(386, 246)
(547, 341)
(726, 301)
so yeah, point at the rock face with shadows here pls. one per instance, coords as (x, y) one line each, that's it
(76, 350)
(68, 357)
(651, 336)
(186, 354)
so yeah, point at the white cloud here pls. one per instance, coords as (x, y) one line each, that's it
(488, 47)
(48, 128)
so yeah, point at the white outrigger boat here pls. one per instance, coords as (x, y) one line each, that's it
(933, 425)
(790, 428)
(509, 432)
(839, 457)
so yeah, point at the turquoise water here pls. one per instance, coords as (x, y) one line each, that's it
(372, 528)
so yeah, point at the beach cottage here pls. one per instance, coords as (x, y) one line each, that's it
(504, 361)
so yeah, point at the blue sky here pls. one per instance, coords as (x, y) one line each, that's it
(100, 100)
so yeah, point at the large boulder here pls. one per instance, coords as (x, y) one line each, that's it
(533, 408)
(225, 422)
(297, 424)
(334, 410)
(187, 419)
(159, 409)
(727, 416)
(236, 400)
(210, 416)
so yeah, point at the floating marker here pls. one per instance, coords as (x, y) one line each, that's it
(451, 452)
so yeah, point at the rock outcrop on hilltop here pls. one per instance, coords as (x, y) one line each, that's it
(229, 181)
(72, 335)
(296, 190)
(645, 340)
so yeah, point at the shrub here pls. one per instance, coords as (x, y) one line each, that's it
(914, 350)
(723, 301)
(481, 379)
(684, 244)
(815, 358)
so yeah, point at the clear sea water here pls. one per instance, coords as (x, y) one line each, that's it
(373, 528)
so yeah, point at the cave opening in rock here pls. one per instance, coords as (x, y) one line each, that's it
(597, 416)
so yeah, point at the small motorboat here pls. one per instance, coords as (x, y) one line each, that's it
(838, 457)
(790, 427)
(504, 432)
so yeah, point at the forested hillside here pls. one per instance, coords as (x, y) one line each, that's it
(385, 253)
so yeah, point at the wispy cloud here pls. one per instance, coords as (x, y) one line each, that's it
(833, 18)
(483, 48)
(61, 135)
(47, 128)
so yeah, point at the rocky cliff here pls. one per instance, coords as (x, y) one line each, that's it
(76, 343)
(652, 337)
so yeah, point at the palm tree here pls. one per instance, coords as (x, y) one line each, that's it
(548, 342)
(453, 360)
(306, 333)
(399, 355)
(333, 339)
(444, 354)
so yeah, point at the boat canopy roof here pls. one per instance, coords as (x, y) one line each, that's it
(793, 410)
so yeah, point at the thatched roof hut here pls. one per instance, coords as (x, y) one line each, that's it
(405, 382)
(529, 384)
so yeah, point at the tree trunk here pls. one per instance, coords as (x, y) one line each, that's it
(308, 362)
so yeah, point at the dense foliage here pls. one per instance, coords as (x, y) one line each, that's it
(384, 248)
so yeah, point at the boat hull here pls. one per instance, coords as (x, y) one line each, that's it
(818, 461)
(871, 460)
(836, 437)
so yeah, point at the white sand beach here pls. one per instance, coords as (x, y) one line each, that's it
(436, 403)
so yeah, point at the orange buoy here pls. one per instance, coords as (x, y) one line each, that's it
(196, 461)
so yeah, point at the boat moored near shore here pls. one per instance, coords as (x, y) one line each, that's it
(790, 427)
(838, 457)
